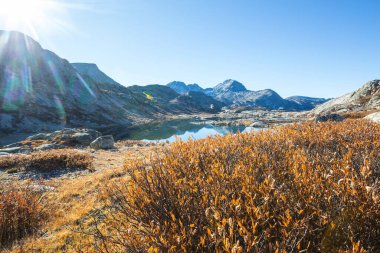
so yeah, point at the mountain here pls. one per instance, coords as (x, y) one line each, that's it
(39, 91)
(229, 86)
(182, 88)
(92, 70)
(308, 103)
(365, 98)
(233, 93)
(175, 103)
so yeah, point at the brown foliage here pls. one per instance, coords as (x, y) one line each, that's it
(21, 214)
(48, 160)
(310, 187)
(358, 114)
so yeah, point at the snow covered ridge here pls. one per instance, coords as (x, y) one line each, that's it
(233, 93)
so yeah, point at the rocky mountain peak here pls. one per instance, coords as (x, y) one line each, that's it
(182, 88)
(230, 86)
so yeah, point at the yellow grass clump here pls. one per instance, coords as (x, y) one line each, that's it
(21, 214)
(46, 161)
(311, 187)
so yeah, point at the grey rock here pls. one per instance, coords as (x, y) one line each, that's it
(40, 188)
(329, 117)
(259, 124)
(82, 137)
(40, 136)
(103, 142)
(375, 117)
(14, 150)
(49, 147)
(14, 145)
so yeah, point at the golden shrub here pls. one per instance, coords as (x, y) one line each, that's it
(311, 187)
(48, 160)
(21, 214)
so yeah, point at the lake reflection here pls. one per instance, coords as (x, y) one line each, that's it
(182, 129)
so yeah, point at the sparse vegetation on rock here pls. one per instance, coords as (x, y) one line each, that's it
(45, 161)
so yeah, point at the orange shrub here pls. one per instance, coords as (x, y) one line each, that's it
(310, 187)
(48, 160)
(21, 214)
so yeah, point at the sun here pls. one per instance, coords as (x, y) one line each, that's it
(23, 11)
(32, 16)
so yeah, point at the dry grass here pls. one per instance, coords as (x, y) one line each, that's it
(74, 198)
(46, 161)
(358, 114)
(21, 214)
(300, 188)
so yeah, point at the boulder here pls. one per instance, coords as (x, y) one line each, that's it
(258, 124)
(329, 117)
(103, 142)
(375, 117)
(73, 137)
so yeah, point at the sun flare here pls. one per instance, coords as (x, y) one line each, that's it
(23, 10)
(33, 16)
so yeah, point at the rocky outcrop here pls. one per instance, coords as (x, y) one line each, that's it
(65, 138)
(68, 137)
(329, 117)
(375, 117)
(103, 142)
(365, 98)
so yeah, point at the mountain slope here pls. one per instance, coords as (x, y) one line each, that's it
(92, 70)
(170, 101)
(182, 88)
(365, 98)
(308, 103)
(39, 91)
(233, 93)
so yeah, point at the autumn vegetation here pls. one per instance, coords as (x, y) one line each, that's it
(45, 161)
(311, 187)
(21, 214)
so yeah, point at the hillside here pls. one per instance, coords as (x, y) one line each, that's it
(42, 92)
(365, 98)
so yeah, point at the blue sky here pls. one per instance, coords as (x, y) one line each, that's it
(321, 48)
